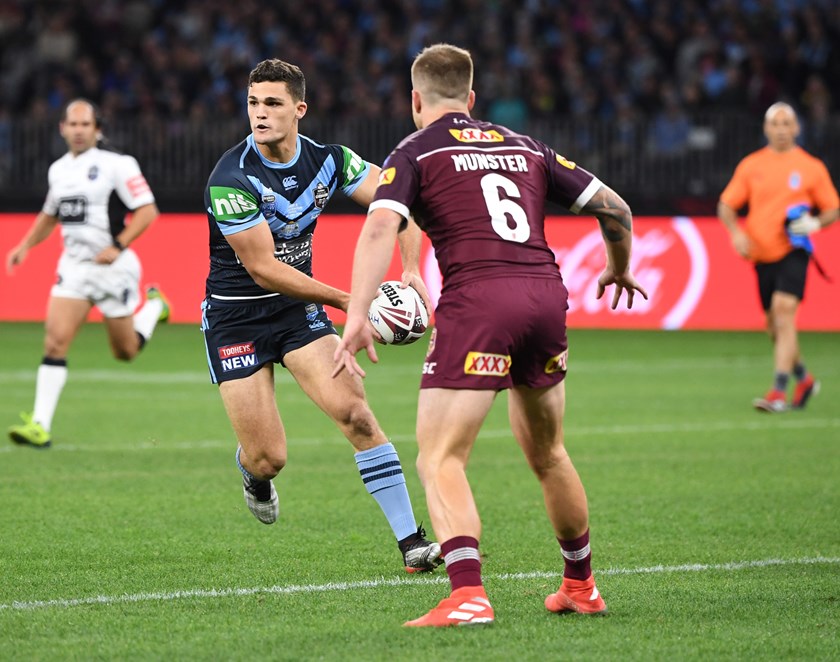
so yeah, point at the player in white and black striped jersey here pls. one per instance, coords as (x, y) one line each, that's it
(90, 190)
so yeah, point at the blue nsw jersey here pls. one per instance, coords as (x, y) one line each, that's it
(246, 189)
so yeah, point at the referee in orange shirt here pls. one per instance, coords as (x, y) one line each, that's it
(782, 185)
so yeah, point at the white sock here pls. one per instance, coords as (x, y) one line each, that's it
(50, 382)
(146, 319)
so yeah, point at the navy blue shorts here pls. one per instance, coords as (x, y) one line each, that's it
(242, 336)
(787, 275)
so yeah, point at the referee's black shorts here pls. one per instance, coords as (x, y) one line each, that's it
(242, 336)
(787, 275)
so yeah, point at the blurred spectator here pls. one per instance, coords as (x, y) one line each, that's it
(140, 56)
(670, 129)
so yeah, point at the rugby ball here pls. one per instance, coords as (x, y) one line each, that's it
(398, 314)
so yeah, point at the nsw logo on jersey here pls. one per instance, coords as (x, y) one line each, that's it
(476, 136)
(321, 195)
(231, 203)
(268, 206)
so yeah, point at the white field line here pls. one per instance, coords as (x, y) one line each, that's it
(384, 582)
(127, 375)
(572, 432)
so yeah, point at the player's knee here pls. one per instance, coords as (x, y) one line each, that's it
(544, 461)
(268, 464)
(357, 419)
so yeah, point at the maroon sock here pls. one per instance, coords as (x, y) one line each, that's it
(577, 557)
(463, 564)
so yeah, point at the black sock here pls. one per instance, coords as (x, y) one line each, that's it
(800, 372)
(780, 381)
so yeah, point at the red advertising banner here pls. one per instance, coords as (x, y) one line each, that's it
(694, 278)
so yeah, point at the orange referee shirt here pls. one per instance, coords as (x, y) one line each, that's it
(770, 183)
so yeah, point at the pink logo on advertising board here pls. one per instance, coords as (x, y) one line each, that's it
(669, 260)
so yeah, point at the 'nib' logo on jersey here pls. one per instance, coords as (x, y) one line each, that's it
(229, 203)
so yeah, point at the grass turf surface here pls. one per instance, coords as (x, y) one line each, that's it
(714, 527)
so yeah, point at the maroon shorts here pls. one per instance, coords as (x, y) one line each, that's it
(497, 333)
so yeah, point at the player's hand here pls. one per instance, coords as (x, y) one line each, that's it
(741, 243)
(107, 255)
(413, 279)
(14, 258)
(804, 225)
(623, 282)
(358, 334)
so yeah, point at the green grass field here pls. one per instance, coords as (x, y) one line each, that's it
(715, 529)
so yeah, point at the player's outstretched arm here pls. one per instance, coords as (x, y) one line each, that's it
(410, 239)
(374, 249)
(616, 221)
(255, 249)
(41, 228)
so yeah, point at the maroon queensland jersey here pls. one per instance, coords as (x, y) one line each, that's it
(479, 190)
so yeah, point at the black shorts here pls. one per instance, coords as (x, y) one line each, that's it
(242, 336)
(787, 275)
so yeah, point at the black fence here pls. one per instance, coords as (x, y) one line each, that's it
(659, 167)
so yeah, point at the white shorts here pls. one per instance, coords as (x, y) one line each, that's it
(113, 288)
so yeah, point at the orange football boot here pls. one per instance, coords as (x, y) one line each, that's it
(577, 595)
(467, 605)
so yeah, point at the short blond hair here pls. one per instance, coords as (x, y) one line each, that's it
(442, 72)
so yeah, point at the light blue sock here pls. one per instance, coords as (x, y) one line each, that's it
(383, 477)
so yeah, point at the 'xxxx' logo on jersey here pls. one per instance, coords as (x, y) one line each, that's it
(487, 365)
(476, 136)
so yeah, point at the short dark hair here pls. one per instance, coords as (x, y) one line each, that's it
(278, 71)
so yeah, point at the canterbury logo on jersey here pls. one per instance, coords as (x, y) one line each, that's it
(487, 365)
(229, 203)
(476, 136)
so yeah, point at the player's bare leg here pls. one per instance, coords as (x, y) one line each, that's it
(252, 409)
(343, 399)
(64, 318)
(448, 422)
(536, 418)
(781, 326)
(125, 342)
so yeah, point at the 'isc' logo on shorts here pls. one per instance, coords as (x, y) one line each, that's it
(487, 365)
(557, 363)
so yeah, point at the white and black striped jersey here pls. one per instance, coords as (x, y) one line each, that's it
(90, 194)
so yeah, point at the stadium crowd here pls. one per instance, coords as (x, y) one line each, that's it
(608, 59)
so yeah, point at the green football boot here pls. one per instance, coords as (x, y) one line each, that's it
(30, 433)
